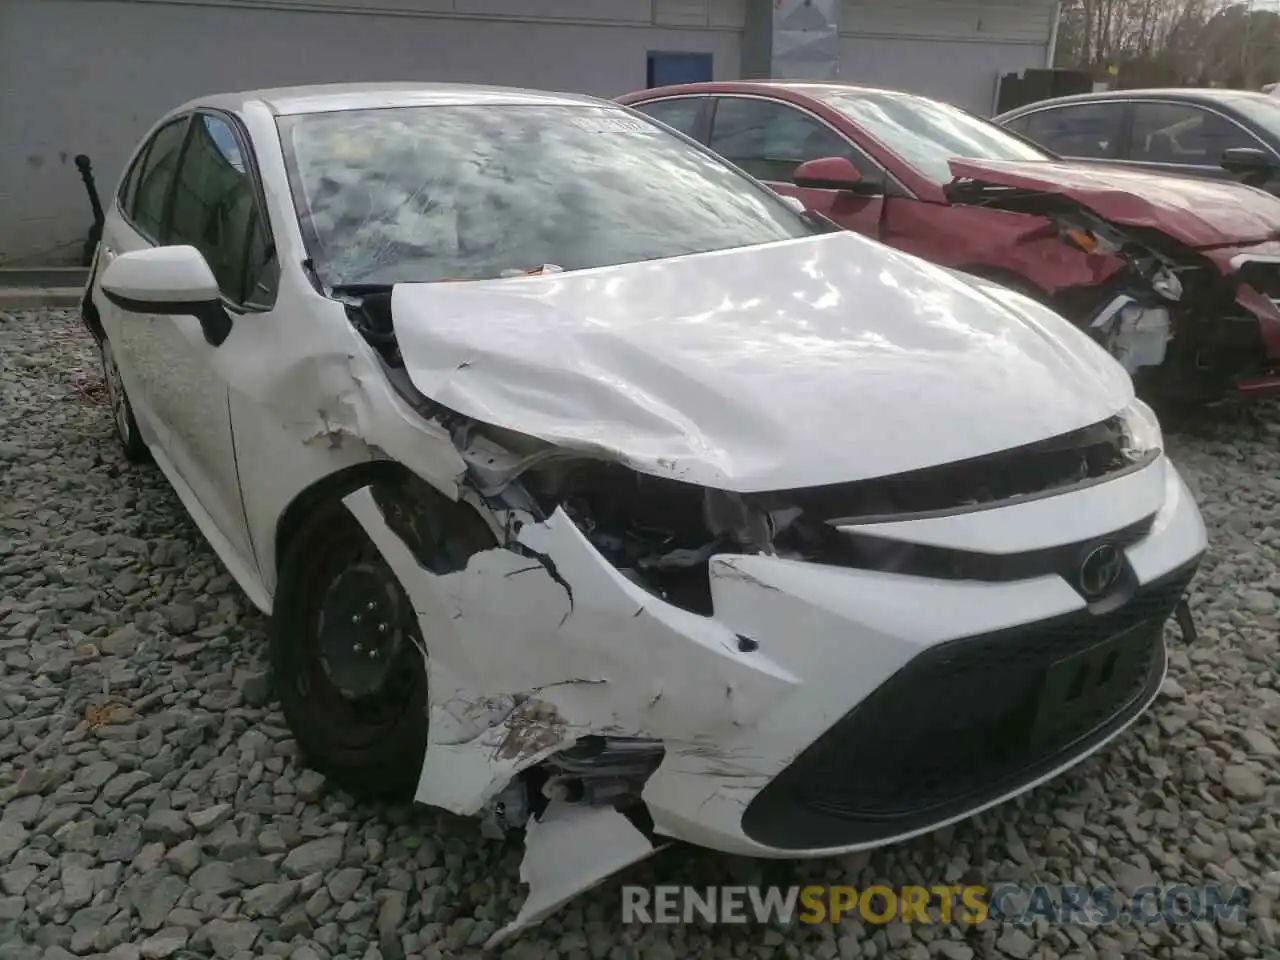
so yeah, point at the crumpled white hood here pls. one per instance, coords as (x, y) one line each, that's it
(795, 364)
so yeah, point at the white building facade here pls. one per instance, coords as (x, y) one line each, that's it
(89, 76)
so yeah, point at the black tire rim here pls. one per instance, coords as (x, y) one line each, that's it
(115, 393)
(363, 668)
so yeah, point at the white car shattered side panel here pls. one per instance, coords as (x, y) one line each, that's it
(306, 406)
(739, 369)
(585, 649)
(567, 852)
(827, 638)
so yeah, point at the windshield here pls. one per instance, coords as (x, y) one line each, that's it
(470, 192)
(927, 134)
(1262, 110)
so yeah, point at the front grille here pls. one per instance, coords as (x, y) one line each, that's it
(967, 721)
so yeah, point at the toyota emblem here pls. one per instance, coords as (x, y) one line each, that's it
(1100, 571)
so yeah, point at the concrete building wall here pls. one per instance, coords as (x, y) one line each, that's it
(105, 70)
(949, 49)
(89, 76)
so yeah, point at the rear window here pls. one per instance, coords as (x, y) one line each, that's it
(470, 192)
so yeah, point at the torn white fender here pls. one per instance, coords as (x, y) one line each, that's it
(567, 852)
(311, 404)
(589, 651)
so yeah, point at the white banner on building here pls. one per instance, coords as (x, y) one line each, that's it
(806, 39)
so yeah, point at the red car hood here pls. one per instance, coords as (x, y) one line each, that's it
(1199, 213)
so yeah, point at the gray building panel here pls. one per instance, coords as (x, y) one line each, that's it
(89, 76)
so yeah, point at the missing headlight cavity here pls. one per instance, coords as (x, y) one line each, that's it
(661, 533)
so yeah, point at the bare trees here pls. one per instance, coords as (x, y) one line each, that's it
(1200, 42)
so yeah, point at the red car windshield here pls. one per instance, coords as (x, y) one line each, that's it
(925, 133)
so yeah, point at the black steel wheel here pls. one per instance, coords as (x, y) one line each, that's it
(347, 660)
(122, 419)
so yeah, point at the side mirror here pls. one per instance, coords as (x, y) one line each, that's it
(1247, 160)
(170, 281)
(828, 173)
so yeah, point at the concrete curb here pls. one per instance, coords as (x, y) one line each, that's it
(35, 298)
(43, 277)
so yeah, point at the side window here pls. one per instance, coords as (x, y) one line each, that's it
(129, 185)
(769, 139)
(1090, 130)
(216, 210)
(152, 188)
(681, 113)
(1182, 133)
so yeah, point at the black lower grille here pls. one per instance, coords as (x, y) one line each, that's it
(967, 721)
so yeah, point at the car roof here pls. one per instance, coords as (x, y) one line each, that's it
(328, 97)
(1206, 95)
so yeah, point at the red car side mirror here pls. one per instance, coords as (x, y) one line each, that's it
(827, 173)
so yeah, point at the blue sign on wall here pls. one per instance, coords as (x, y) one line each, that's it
(666, 69)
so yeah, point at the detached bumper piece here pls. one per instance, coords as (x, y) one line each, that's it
(966, 722)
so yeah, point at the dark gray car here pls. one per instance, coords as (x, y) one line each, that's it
(1223, 134)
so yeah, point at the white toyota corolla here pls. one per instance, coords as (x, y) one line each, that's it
(595, 491)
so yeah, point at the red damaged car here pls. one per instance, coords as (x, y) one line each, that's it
(1178, 278)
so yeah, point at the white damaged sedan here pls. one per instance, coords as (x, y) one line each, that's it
(594, 491)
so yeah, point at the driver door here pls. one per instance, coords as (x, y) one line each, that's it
(769, 139)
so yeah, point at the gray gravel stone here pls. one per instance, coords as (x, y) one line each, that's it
(1243, 782)
(13, 837)
(178, 823)
(210, 818)
(167, 826)
(314, 856)
(163, 943)
(77, 886)
(230, 937)
(1260, 744)
(214, 878)
(156, 897)
(1016, 943)
(270, 899)
(344, 883)
(184, 858)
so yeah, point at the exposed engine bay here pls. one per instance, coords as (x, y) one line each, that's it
(1168, 313)
(661, 533)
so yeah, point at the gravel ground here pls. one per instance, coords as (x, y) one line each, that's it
(152, 806)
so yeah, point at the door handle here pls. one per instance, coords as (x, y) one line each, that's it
(108, 254)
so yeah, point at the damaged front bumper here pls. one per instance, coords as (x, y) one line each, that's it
(1136, 333)
(1235, 337)
(820, 709)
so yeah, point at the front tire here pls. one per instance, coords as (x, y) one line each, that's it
(122, 418)
(347, 661)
